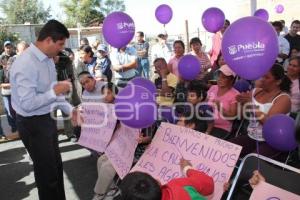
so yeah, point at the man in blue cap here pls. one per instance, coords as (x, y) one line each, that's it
(8, 49)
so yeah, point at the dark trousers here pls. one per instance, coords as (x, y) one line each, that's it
(39, 135)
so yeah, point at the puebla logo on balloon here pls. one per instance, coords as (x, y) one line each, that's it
(118, 29)
(250, 47)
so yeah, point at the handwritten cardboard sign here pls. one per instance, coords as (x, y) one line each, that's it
(98, 126)
(211, 155)
(120, 150)
(266, 191)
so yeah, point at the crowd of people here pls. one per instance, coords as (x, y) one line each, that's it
(94, 73)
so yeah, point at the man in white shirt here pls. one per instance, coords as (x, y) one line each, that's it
(35, 95)
(284, 46)
(124, 66)
(161, 49)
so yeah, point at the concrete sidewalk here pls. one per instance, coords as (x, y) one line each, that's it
(16, 172)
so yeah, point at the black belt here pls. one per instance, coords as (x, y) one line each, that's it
(34, 116)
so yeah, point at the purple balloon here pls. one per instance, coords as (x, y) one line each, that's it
(189, 67)
(242, 85)
(250, 47)
(145, 83)
(279, 8)
(135, 107)
(164, 13)
(279, 132)
(213, 19)
(262, 13)
(118, 29)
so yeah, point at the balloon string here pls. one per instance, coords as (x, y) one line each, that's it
(255, 130)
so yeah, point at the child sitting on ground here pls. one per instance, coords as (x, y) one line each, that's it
(141, 186)
(196, 97)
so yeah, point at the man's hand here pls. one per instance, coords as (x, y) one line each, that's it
(62, 87)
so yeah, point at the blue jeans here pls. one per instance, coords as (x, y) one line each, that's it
(10, 113)
(143, 67)
(1, 130)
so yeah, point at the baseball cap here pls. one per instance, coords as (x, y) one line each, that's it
(102, 47)
(227, 71)
(7, 43)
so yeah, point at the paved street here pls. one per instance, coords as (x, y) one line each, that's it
(16, 174)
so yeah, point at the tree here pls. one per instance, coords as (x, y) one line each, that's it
(20, 12)
(109, 6)
(84, 12)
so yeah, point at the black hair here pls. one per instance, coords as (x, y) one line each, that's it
(295, 58)
(85, 41)
(282, 21)
(218, 59)
(85, 73)
(227, 22)
(110, 86)
(179, 42)
(55, 30)
(160, 59)
(278, 24)
(278, 72)
(195, 40)
(141, 33)
(87, 49)
(296, 48)
(69, 50)
(162, 36)
(140, 186)
(295, 22)
(198, 88)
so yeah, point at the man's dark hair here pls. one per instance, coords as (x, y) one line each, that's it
(278, 24)
(110, 86)
(141, 33)
(227, 22)
(85, 73)
(140, 186)
(161, 36)
(55, 30)
(295, 22)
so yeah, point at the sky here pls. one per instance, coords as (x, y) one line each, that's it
(143, 13)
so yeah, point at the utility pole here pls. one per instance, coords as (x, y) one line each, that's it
(187, 35)
(253, 6)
